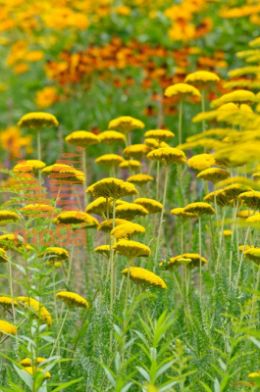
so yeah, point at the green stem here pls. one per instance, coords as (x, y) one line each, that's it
(162, 213)
(180, 121)
(39, 153)
(200, 250)
(203, 108)
(11, 288)
(84, 168)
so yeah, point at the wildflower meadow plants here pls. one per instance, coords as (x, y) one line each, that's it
(130, 247)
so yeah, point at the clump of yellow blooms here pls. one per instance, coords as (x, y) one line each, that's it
(35, 307)
(75, 217)
(28, 166)
(142, 275)
(109, 159)
(38, 120)
(111, 187)
(7, 328)
(73, 299)
(182, 90)
(125, 124)
(131, 249)
(82, 138)
(201, 161)
(126, 230)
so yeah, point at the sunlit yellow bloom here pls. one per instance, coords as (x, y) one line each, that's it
(159, 134)
(255, 42)
(136, 150)
(37, 207)
(131, 163)
(12, 140)
(131, 249)
(112, 187)
(73, 299)
(201, 161)
(254, 219)
(110, 137)
(7, 302)
(218, 196)
(75, 217)
(28, 362)
(100, 206)
(202, 78)
(103, 249)
(182, 90)
(251, 199)
(36, 307)
(82, 138)
(107, 225)
(140, 178)
(33, 370)
(64, 172)
(233, 190)
(180, 211)
(55, 253)
(152, 206)
(3, 256)
(127, 230)
(46, 97)
(109, 159)
(153, 143)
(244, 214)
(7, 328)
(253, 253)
(167, 155)
(254, 374)
(125, 124)
(256, 176)
(28, 166)
(192, 259)
(7, 216)
(130, 210)
(235, 96)
(227, 233)
(38, 119)
(199, 208)
(11, 240)
(142, 275)
(213, 174)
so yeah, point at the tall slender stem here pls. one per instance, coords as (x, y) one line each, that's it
(200, 250)
(162, 213)
(39, 153)
(11, 288)
(84, 168)
(203, 108)
(180, 121)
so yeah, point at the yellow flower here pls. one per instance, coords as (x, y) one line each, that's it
(75, 217)
(159, 134)
(110, 137)
(7, 216)
(213, 174)
(254, 374)
(153, 143)
(254, 219)
(233, 190)
(103, 249)
(82, 138)
(37, 207)
(227, 233)
(12, 141)
(251, 199)
(192, 259)
(125, 124)
(111, 187)
(63, 172)
(131, 163)
(217, 196)
(142, 275)
(255, 42)
(11, 240)
(36, 307)
(130, 210)
(28, 362)
(244, 214)
(109, 159)
(182, 90)
(100, 206)
(151, 205)
(131, 249)
(199, 208)
(28, 166)
(201, 161)
(7, 301)
(38, 119)
(140, 178)
(54, 253)
(107, 225)
(253, 253)
(240, 96)
(256, 176)
(127, 230)
(46, 97)
(33, 370)
(7, 328)
(202, 78)
(73, 299)
(180, 211)
(136, 150)
(167, 155)
(3, 256)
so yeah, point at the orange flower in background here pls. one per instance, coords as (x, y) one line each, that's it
(46, 97)
(12, 141)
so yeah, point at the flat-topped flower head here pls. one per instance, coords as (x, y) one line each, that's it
(244, 214)
(7, 216)
(232, 191)
(256, 176)
(63, 172)
(202, 78)
(109, 160)
(103, 250)
(111, 137)
(159, 134)
(151, 205)
(107, 225)
(25, 362)
(7, 328)
(153, 143)
(253, 253)
(36, 208)
(100, 206)
(142, 275)
(130, 210)
(140, 178)
(73, 299)
(131, 249)
(82, 138)
(136, 150)
(167, 155)
(254, 220)
(200, 208)
(112, 187)
(127, 230)
(130, 164)
(190, 259)
(227, 233)
(251, 199)
(35, 307)
(239, 96)
(7, 302)
(201, 161)
(3, 256)
(75, 218)
(182, 90)
(180, 211)
(213, 174)
(125, 124)
(38, 120)
(218, 196)
(11, 241)
(55, 253)
(28, 166)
